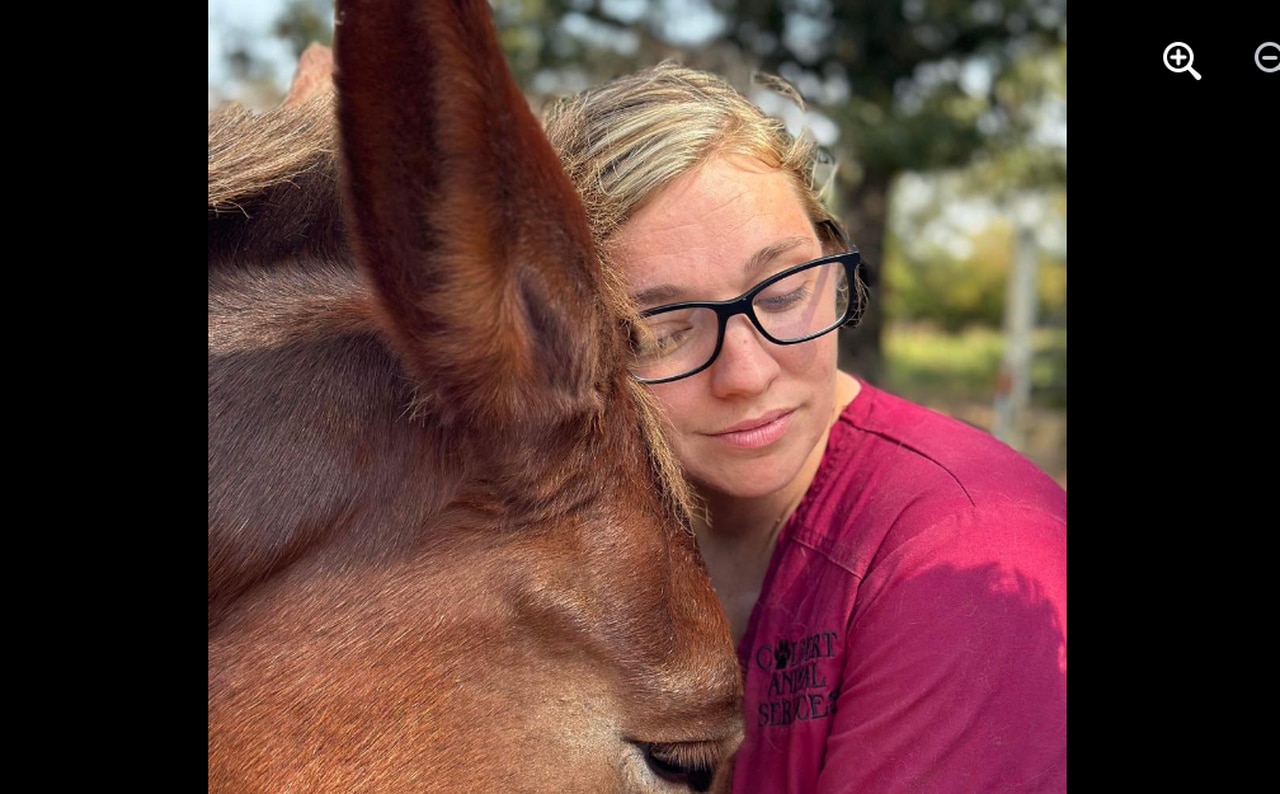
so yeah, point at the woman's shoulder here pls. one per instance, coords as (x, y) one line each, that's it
(896, 471)
(917, 450)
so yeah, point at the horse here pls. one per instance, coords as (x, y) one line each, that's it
(449, 547)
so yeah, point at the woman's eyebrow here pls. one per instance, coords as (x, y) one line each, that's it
(660, 294)
(656, 296)
(764, 257)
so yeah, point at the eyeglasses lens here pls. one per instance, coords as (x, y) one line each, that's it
(799, 306)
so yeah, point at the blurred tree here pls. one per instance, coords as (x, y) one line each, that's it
(303, 22)
(949, 248)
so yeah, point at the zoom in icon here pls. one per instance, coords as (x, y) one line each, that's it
(1178, 58)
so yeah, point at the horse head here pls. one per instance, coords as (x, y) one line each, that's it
(448, 547)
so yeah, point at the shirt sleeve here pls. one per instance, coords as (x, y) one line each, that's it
(954, 677)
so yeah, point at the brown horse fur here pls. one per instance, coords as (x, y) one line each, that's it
(448, 548)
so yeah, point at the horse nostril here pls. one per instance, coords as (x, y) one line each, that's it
(689, 763)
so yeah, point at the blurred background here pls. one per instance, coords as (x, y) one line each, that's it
(946, 125)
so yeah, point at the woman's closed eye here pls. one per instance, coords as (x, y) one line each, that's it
(794, 290)
(654, 340)
(782, 302)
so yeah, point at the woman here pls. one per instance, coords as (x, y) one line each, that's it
(895, 579)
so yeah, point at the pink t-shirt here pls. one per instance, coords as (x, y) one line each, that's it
(911, 631)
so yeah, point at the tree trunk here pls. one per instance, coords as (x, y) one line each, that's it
(864, 211)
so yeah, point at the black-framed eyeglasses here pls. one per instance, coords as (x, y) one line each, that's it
(801, 303)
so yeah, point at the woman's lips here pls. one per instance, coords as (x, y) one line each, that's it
(756, 433)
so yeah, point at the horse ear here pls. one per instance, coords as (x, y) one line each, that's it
(313, 74)
(461, 213)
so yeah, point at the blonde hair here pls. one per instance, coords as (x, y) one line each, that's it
(625, 140)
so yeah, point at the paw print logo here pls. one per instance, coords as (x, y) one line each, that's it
(782, 654)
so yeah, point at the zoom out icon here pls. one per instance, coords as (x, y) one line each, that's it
(1267, 56)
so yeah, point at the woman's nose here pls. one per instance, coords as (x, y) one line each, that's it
(746, 364)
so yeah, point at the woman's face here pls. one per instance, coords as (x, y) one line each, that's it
(746, 425)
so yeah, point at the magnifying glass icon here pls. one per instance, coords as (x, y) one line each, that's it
(1178, 58)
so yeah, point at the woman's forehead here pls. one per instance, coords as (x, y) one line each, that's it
(717, 229)
(727, 195)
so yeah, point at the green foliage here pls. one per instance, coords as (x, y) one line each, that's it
(961, 282)
(305, 21)
(954, 283)
(923, 360)
(949, 249)
(932, 365)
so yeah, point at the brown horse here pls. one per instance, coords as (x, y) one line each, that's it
(448, 550)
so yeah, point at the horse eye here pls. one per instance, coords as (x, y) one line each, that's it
(690, 763)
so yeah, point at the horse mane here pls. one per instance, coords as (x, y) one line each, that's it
(252, 151)
(273, 187)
